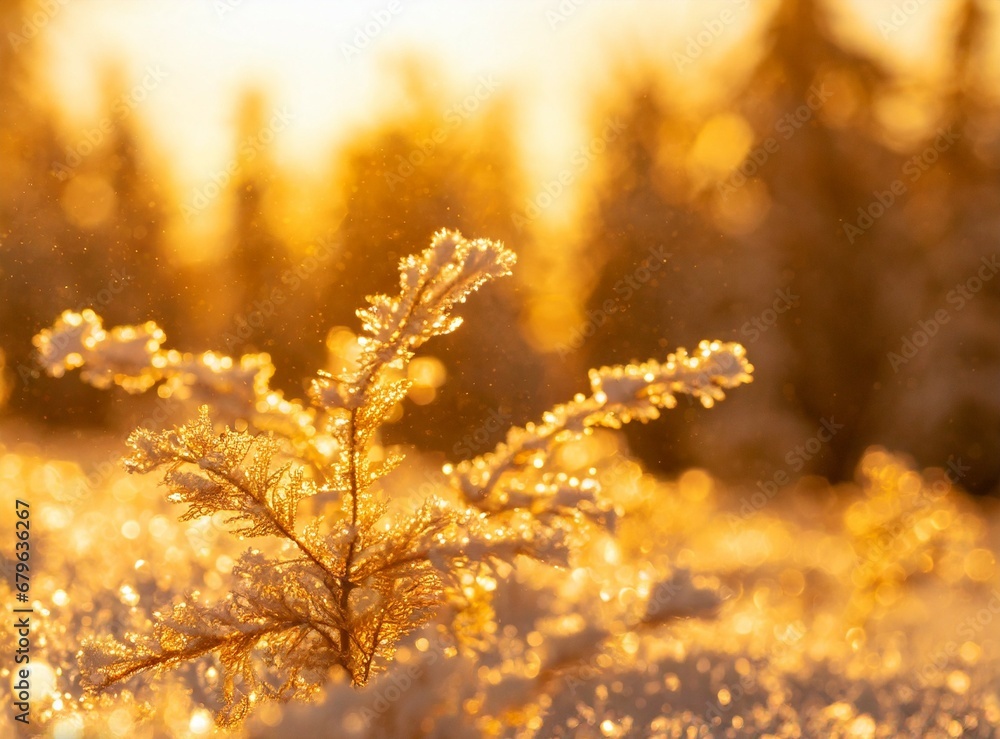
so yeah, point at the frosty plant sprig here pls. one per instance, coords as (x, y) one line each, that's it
(356, 579)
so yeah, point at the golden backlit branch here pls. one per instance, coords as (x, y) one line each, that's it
(359, 580)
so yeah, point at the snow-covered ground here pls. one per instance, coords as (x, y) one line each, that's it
(862, 610)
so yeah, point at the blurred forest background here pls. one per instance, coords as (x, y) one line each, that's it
(837, 216)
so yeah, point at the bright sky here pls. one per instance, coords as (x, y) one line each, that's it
(323, 62)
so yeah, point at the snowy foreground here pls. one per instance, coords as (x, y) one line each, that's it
(858, 611)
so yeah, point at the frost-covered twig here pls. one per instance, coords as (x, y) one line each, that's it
(516, 474)
(359, 580)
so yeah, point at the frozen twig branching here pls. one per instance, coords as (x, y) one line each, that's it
(518, 474)
(133, 358)
(356, 580)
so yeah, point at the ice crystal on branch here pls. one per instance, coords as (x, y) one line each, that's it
(209, 472)
(431, 285)
(132, 357)
(517, 474)
(352, 580)
(124, 356)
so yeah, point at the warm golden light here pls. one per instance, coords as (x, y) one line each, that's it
(499, 369)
